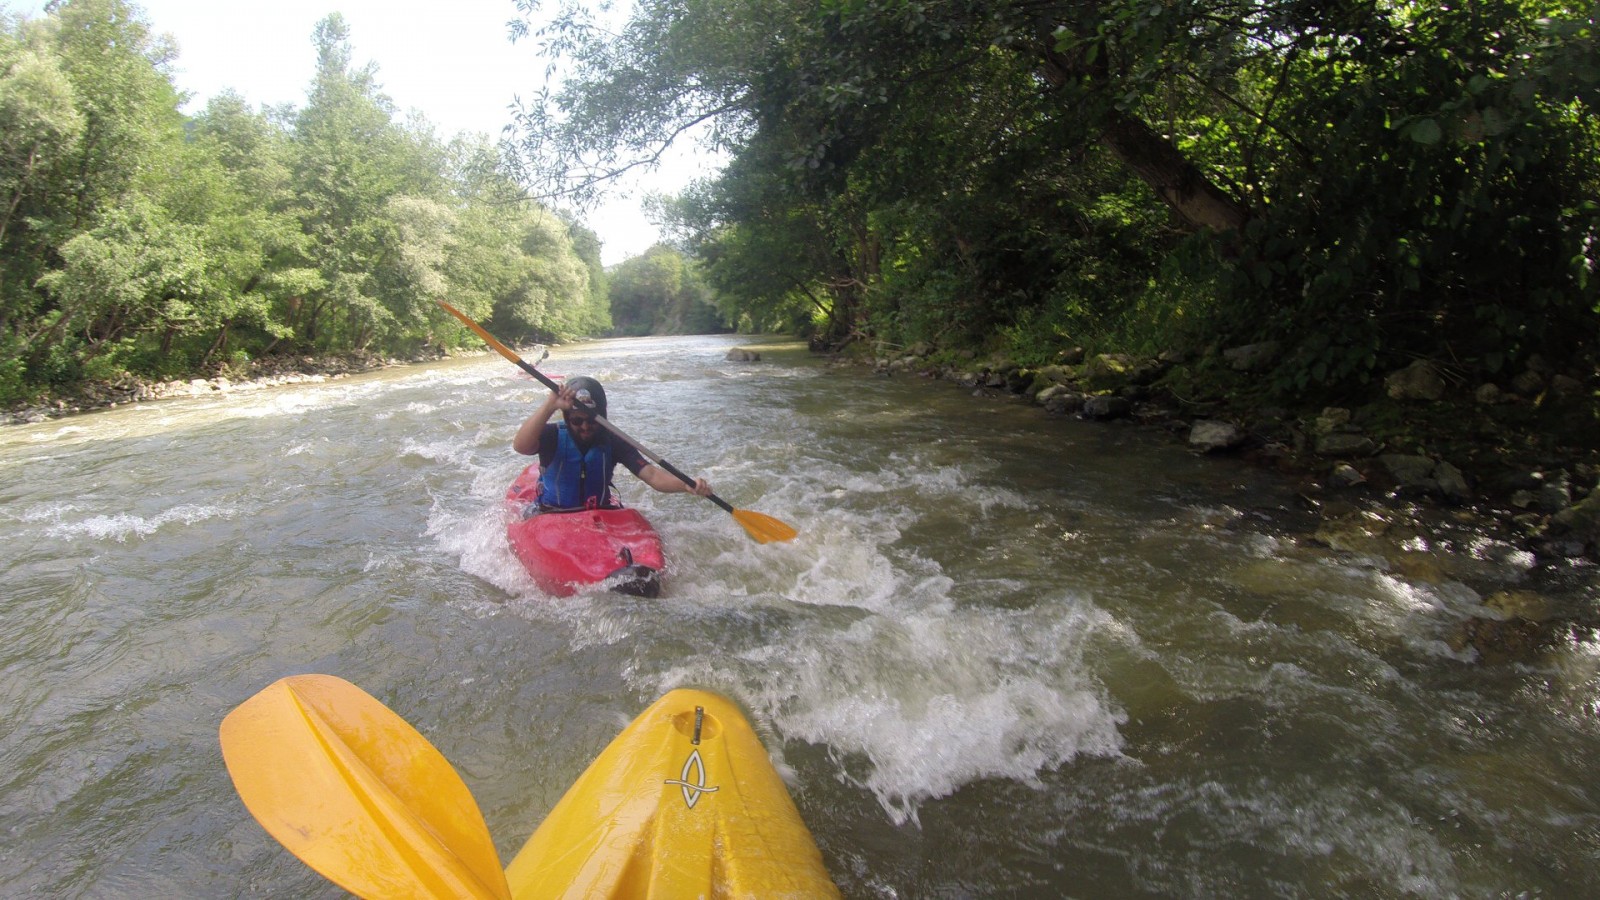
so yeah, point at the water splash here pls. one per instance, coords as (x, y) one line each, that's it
(123, 526)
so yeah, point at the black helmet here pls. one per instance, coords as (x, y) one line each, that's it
(591, 397)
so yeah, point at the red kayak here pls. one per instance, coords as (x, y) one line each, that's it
(567, 551)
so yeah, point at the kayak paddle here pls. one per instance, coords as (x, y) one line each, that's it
(763, 528)
(353, 790)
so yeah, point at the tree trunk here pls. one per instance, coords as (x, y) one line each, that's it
(1171, 175)
(221, 343)
(1153, 158)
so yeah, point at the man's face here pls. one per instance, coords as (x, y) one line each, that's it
(582, 426)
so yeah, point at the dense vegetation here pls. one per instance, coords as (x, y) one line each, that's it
(137, 242)
(1365, 182)
(662, 292)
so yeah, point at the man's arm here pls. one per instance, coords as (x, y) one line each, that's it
(527, 440)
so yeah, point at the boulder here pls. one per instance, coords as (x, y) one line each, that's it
(1565, 386)
(1415, 472)
(1345, 475)
(1065, 403)
(1252, 357)
(1344, 444)
(1580, 520)
(1528, 384)
(1452, 484)
(742, 354)
(1210, 436)
(1049, 393)
(1333, 419)
(1419, 381)
(1489, 395)
(1102, 407)
(1112, 370)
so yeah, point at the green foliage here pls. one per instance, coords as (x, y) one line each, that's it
(1365, 183)
(662, 292)
(1464, 238)
(135, 243)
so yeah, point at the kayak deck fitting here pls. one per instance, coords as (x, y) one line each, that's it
(684, 803)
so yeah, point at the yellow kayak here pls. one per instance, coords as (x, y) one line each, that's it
(683, 803)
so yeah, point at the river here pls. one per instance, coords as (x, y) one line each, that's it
(1007, 655)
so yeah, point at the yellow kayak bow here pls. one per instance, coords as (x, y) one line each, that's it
(683, 803)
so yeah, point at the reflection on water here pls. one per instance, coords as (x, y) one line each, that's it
(1007, 655)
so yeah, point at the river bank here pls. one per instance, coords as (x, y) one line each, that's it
(1406, 477)
(268, 372)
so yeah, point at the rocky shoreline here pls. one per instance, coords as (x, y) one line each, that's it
(1378, 477)
(265, 373)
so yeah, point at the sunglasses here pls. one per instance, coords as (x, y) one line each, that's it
(580, 421)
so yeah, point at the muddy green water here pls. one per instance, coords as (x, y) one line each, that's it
(1008, 656)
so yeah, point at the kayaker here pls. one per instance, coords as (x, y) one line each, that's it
(576, 455)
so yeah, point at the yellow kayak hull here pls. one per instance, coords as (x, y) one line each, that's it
(683, 803)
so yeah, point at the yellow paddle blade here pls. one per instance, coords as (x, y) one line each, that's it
(480, 331)
(765, 529)
(353, 790)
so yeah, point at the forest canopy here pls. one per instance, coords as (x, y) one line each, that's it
(138, 242)
(1363, 182)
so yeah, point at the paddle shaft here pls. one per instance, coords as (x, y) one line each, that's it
(545, 380)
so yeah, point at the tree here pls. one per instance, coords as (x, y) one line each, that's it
(352, 165)
(39, 125)
(87, 164)
(661, 292)
(1325, 173)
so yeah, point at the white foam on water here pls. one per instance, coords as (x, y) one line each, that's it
(122, 526)
(847, 637)
(409, 410)
(914, 707)
(53, 511)
(1329, 826)
(474, 531)
(449, 450)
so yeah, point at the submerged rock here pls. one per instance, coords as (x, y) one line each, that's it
(1521, 604)
(1511, 640)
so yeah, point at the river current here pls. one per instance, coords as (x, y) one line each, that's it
(1007, 655)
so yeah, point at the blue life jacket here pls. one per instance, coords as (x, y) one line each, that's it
(576, 478)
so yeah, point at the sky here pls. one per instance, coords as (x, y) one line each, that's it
(452, 60)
